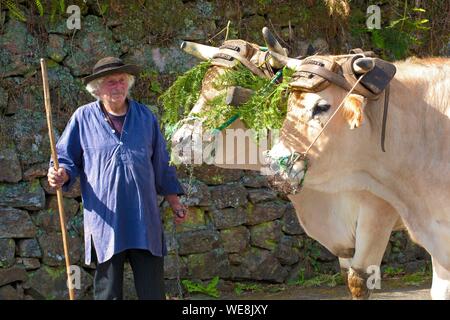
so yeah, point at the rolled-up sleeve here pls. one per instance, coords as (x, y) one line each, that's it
(69, 152)
(166, 180)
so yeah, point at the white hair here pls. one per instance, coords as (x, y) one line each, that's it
(94, 85)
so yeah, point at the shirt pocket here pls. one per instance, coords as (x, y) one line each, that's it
(140, 157)
(140, 148)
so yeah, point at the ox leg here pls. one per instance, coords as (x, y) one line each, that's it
(375, 223)
(440, 288)
(357, 284)
(345, 264)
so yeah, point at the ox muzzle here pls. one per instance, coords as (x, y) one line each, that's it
(286, 174)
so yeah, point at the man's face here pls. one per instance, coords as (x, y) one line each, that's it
(114, 88)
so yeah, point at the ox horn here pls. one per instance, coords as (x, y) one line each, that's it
(198, 50)
(273, 45)
(291, 63)
(363, 65)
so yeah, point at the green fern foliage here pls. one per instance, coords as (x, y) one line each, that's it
(53, 10)
(39, 7)
(266, 108)
(210, 289)
(62, 6)
(55, 5)
(179, 99)
(14, 11)
(240, 76)
(17, 13)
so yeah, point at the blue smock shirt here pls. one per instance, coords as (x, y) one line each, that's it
(120, 179)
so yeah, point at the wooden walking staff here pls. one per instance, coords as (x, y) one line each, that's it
(59, 195)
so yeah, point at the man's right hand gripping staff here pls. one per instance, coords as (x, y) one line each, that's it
(57, 178)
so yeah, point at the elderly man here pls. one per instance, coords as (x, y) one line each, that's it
(114, 144)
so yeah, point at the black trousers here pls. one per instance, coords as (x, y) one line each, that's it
(148, 271)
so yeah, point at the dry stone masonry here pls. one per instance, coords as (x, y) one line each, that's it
(237, 228)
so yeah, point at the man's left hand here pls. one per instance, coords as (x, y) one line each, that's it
(178, 209)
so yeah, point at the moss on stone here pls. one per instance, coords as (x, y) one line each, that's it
(250, 208)
(51, 63)
(270, 243)
(35, 186)
(217, 179)
(55, 273)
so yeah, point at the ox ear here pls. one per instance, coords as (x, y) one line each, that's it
(353, 110)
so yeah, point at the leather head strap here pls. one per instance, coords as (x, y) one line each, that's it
(315, 74)
(318, 72)
(234, 51)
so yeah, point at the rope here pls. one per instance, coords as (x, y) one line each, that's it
(228, 30)
(177, 255)
(177, 259)
(286, 163)
(221, 31)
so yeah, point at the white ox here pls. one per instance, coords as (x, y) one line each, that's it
(355, 226)
(411, 179)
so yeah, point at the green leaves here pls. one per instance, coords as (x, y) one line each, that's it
(401, 34)
(17, 13)
(179, 99)
(62, 6)
(419, 10)
(241, 287)
(240, 76)
(266, 108)
(14, 11)
(210, 289)
(55, 5)
(404, 29)
(103, 8)
(329, 280)
(39, 7)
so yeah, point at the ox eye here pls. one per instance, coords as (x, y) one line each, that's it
(320, 108)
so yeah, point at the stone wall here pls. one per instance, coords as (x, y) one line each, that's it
(237, 229)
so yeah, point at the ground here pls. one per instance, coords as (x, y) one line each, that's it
(391, 289)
